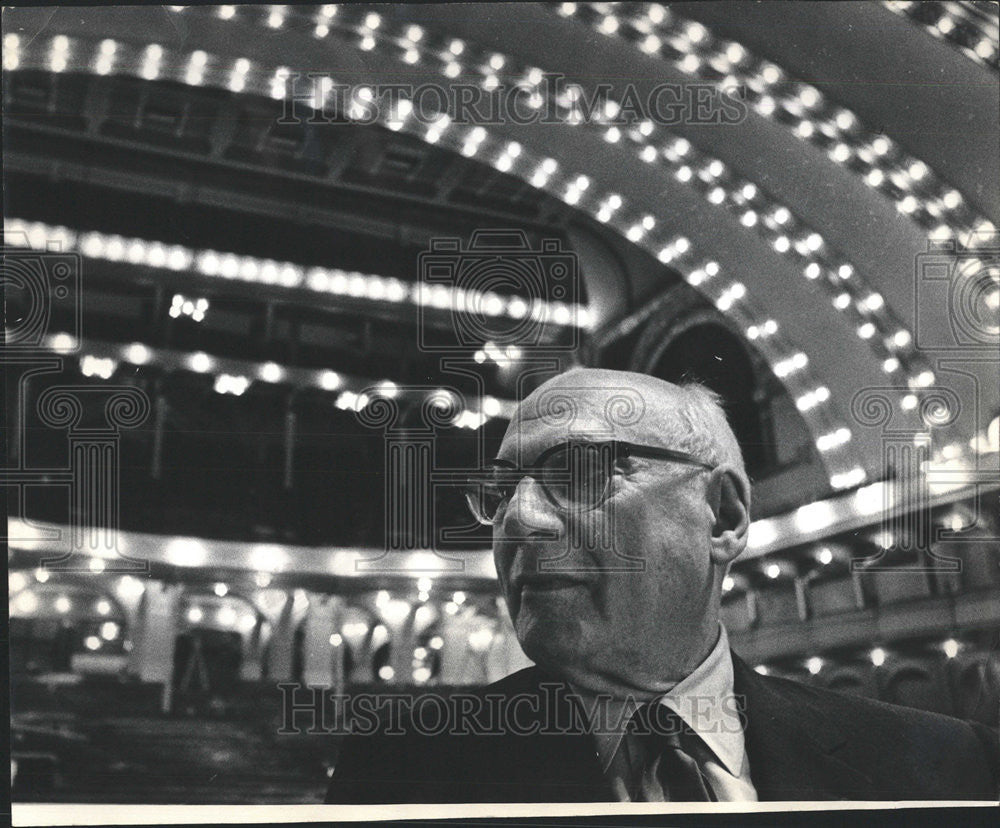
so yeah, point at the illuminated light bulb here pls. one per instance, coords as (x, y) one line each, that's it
(92, 642)
(814, 665)
(329, 380)
(866, 331)
(772, 571)
(42, 575)
(336, 640)
(909, 402)
(840, 153)
(151, 63)
(877, 656)
(842, 301)
(825, 556)
(63, 604)
(96, 565)
(985, 49)
(761, 669)
(812, 270)
(690, 63)
(950, 647)
(765, 106)
(609, 25)
(200, 362)
(651, 44)
(727, 584)
(137, 354)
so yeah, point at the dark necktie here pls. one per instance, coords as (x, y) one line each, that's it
(663, 768)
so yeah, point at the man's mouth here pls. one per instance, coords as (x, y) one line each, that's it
(546, 583)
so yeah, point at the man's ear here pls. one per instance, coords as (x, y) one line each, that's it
(729, 498)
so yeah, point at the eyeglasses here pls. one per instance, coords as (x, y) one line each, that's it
(575, 476)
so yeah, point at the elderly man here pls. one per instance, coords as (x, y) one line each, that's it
(618, 502)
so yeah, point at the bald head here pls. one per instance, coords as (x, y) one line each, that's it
(599, 403)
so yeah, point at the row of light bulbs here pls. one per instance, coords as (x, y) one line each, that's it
(908, 182)
(235, 377)
(114, 248)
(977, 39)
(772, 219)
(877, 655)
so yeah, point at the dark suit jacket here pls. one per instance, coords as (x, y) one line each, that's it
(803, 744)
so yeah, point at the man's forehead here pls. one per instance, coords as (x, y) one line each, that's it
(594, 412)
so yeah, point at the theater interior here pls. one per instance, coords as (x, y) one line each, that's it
(239, 408)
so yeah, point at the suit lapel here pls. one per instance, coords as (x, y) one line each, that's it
(795, 751)
(559, 761)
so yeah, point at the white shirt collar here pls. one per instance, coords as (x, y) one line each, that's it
(704, 700)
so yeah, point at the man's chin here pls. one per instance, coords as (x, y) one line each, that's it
(553, 643)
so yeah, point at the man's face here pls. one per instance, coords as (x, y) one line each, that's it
(596, 591)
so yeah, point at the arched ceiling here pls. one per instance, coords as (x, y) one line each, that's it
(806, 222)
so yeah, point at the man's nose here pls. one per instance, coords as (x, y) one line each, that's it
(530, 513)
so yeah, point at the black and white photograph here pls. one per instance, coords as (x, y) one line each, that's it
(502, 410)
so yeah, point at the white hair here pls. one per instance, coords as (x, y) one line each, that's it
(701, 428)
